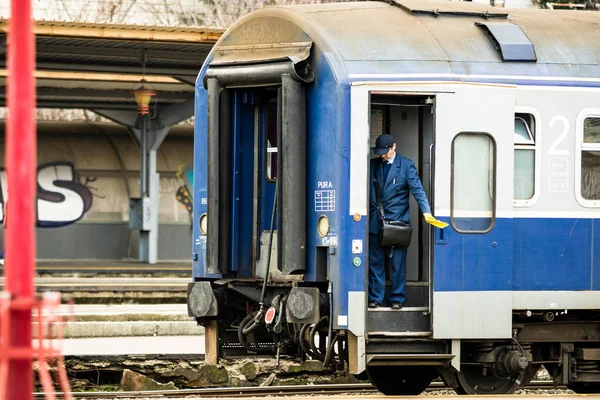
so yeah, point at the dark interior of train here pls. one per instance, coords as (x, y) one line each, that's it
(410, 120)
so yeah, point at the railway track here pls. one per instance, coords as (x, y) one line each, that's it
(260, 391)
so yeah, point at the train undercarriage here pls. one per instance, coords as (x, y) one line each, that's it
(293, 321)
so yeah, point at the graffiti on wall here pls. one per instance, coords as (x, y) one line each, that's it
(61, 199)
(185, 177)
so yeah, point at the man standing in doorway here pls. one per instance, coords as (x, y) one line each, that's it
(396, 176)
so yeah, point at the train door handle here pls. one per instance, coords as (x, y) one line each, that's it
(440, 236)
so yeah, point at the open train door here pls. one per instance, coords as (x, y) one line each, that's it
(472, 258)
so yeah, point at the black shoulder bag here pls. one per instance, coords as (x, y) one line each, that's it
(392, 233)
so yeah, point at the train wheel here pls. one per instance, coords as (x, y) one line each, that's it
(584, 387)
(472, 380)
(396, 381)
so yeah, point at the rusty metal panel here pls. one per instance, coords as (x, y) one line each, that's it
(587, 354)
(560, 332)
(268, 26)
(241, 54)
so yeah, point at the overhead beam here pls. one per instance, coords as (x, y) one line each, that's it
(107, 68)
(124, 32)
(51, 92)
(94, 76)
(80, 98)
(79, 105)
(152, 56)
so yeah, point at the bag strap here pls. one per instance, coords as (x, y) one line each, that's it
(379, 194)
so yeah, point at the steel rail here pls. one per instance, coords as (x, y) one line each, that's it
(255, 391)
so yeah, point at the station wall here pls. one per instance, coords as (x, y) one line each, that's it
(86, 174)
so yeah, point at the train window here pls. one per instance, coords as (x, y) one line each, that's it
(473, 183)
(524, 174)
(590, 159)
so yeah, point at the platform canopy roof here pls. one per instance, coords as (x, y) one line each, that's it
(92, 66)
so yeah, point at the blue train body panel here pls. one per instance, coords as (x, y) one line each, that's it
(555, 254)
(470, 262)
(520, 254)
(200, 176)
(328, 116)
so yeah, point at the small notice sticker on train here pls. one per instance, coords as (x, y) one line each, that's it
(559, 174)
(324, 200)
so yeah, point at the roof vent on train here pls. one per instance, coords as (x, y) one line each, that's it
(448, 8)
(510, 40)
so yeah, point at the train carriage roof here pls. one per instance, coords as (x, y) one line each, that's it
(424, 36)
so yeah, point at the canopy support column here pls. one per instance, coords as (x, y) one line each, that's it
(149, 133)
(149, 185)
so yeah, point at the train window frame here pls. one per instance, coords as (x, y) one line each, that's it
(535, 146)
(492, 190)
(580, 147)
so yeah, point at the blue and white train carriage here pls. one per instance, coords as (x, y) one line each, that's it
(500, 111)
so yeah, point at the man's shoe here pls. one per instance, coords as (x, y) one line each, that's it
(373, 304)
(396, 306)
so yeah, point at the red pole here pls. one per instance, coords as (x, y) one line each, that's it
(21, 171)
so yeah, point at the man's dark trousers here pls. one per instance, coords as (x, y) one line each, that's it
(377, 255)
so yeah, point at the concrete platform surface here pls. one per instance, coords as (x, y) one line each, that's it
(134, 328)
(104, 321)
(98, 311)
(132, 345)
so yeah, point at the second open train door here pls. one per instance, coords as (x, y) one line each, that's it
(472, 258)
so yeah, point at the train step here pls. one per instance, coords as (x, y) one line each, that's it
(405, 322)
(409, 359)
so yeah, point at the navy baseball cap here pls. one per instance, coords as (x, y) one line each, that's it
(383, 144)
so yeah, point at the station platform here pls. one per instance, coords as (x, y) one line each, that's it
(84, 321)
(100, 288)
(103, 284)
(137, 345)
(110, 267)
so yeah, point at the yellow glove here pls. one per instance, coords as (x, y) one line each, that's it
(430, 219)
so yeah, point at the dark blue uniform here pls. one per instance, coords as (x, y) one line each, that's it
(401, 178)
